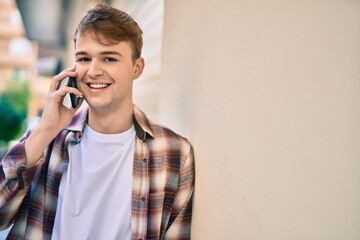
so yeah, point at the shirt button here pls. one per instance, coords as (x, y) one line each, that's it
(143, 199)
(144, 160)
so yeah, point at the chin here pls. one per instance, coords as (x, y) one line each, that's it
(98, 106)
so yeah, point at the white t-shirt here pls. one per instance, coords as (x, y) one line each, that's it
(95, 193)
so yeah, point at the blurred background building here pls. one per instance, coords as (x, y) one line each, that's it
(18, 55)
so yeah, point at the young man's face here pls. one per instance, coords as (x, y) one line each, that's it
(105, 72)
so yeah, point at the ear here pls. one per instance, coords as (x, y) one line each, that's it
(138, 67)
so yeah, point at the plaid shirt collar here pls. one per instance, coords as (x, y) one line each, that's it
(141, 124)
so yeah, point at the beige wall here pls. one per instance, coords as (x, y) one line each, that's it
(269, 94)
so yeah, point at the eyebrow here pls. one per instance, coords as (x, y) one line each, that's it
(102, 53)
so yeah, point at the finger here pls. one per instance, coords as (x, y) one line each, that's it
(56, 80)
(59, 94)
(75, 91)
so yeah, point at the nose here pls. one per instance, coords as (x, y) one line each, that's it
(95, 69)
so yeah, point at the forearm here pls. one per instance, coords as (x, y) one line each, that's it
(37, 142)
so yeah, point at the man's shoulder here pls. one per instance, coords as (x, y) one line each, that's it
(160, 130)
(168, 140)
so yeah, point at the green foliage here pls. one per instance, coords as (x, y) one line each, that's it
(13, 109)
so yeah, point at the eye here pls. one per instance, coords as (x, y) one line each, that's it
(109, 59)
(83, 59)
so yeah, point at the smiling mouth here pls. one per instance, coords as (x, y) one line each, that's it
(98, 85)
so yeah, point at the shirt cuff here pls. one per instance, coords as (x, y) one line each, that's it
(15, 159)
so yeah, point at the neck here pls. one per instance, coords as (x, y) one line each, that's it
(111, 122)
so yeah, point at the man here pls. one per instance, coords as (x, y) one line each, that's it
(105, 172)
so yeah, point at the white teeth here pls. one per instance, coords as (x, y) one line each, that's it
(98, 85)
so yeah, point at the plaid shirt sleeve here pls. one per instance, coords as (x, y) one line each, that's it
(180, 219)
(15, 180)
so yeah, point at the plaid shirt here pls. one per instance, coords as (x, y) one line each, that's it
(162, 186)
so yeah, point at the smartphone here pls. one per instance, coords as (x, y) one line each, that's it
(73, 98)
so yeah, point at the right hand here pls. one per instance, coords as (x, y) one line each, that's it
(56, 116)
